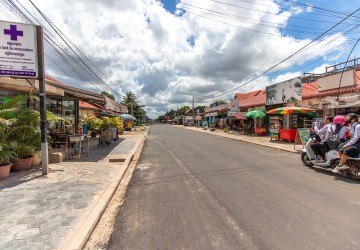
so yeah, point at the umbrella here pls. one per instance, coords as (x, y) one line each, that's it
(290, 110)
(127, 117)
(255, 114)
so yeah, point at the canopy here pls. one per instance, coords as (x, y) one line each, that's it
(127, 117)
(290, 110)
(255, 114)
(239, 116)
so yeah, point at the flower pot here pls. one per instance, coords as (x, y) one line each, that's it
(22, 164)
(36, 158)
(4, 171)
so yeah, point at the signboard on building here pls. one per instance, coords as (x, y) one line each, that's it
(330, 102)
(333, 81)
(283, 92)
(18, 52)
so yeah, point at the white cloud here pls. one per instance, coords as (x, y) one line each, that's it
(142, 47)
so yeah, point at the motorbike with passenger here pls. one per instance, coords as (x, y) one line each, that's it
(335, 134)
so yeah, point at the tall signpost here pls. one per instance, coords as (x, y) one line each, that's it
(22, 56)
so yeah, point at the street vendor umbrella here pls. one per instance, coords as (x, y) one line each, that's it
(255, 114)
(127, 117)
(290, 110)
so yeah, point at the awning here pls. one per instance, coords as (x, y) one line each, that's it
(240, 115)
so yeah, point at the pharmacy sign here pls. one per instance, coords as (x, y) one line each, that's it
(18, 52)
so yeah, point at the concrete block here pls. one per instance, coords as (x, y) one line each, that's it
(56, 157)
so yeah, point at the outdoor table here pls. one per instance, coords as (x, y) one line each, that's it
(77, 138)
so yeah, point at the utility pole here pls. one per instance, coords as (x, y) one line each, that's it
(193, 108)
(42, 94)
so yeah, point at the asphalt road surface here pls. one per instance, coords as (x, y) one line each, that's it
(196, 191)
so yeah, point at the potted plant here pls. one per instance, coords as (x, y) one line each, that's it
(117, 123)
(7, 154)
(94, 125)
(25, 156)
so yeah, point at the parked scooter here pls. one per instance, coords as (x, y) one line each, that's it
(308, 157)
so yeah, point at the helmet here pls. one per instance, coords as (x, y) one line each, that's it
(339, 119)
(352, 116)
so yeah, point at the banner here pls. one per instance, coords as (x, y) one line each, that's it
(283, 92)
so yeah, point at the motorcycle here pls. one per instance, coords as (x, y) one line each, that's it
(308, 157)
(332, 159)
(354, 168)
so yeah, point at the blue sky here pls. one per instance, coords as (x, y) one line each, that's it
(309, 23)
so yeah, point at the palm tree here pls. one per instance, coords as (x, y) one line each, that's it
(132, 103)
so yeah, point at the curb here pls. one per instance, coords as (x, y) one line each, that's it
(78, 239)
(239, 139)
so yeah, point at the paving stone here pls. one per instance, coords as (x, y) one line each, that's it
(16, 229)
(37, 222)
(7, 224)
(59, 218)
(27, 208)
(62, 231)
(37, 211)
(54, 207)
(32, 247)
(26, 220)
(27, 233)
(5, 238)
(35, 202)
(81, 204)
(49, 227)
(52, 243)
(52, 198)
(69, 221)
(13, 245)
(39, 238)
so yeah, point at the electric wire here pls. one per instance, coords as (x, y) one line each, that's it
(292, 55)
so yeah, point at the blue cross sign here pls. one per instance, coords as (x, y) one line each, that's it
(13, 32)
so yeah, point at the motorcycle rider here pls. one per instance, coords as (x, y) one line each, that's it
(325, 132)
(340, 128)
(350, 148)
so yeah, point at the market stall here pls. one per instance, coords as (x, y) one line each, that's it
(257, 114)
(284, 127)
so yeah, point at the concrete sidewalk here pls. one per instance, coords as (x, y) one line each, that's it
(59, 211)
(260, 140)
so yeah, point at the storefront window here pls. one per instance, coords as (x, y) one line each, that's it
(69, 111)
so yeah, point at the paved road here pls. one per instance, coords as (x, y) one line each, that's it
(196, 191)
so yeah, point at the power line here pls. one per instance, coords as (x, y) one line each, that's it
(58, 33)
(287, 58)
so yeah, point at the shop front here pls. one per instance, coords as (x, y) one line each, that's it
(283, 125)
(255, 124)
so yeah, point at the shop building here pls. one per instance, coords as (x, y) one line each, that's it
(326, 96)
(286, 93)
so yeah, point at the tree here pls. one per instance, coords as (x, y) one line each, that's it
(135, 109)
(108, 95)
(200, 109)
(220, 102)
